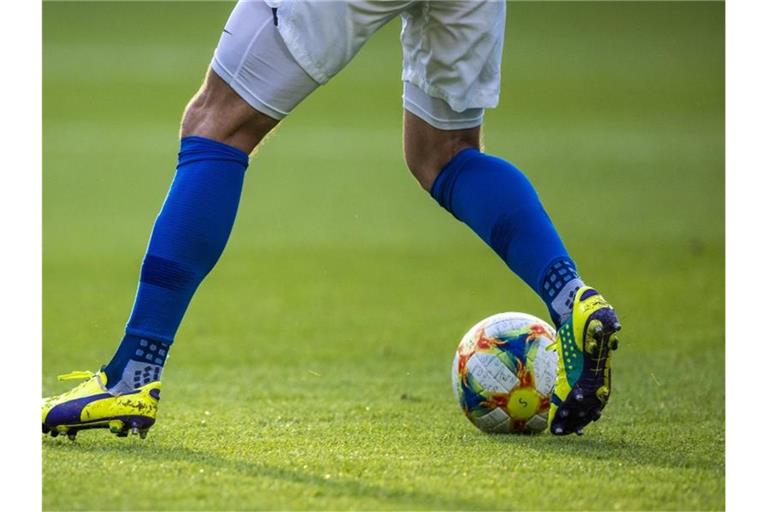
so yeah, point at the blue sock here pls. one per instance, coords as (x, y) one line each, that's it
(189, 236)
(500, 205)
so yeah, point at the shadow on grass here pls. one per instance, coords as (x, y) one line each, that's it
(334, 486)
(620, 450)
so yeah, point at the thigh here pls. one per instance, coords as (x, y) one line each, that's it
(452, 51)
(254, 61)
(323, 36)
(274, 58)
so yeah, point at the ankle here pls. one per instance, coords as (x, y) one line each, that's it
(137, 362)
(558, 288)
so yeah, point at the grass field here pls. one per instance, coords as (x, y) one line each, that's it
(312, 371)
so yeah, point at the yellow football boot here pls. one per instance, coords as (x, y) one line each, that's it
(584, 345)
(89, 405)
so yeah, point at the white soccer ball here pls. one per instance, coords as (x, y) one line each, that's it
(504, 373)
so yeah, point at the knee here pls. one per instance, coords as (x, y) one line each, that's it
(217, 112)
(425, 161)
(427, 149)
(422, 165)
(197, 116)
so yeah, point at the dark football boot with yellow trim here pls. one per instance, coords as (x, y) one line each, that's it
(585, 343)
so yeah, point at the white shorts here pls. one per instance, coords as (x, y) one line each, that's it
(451, 53)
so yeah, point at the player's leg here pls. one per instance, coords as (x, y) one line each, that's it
(496, 200)
(254, 83)
(444, 98)
(255, 80)
(218, 130)
(260, 72)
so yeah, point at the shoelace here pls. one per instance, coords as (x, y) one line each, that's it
(76, 375)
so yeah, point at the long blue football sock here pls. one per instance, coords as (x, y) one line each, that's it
(189, 236)
(500, 205)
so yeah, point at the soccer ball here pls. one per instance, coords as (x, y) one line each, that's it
(504, 373)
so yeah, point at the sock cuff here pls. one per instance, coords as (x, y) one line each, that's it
(442, 188)
(195, 148)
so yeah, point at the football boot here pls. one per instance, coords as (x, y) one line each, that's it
(584, 344)
(90, 405)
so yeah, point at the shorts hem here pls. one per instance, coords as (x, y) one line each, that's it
(480, 99)
(247, 95)
(441, 124)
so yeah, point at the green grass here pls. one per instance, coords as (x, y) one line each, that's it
(312, 371)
